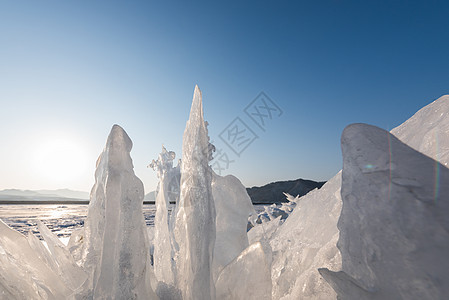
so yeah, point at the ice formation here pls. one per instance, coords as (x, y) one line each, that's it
(195, 217)
(23, 272)
(233, 206)
(209, 230)
(427, 130)
(248, 275)
(306, 241)
(394, 227)
(163, 238)
(70, 272)
(311, 229)
(116, 246)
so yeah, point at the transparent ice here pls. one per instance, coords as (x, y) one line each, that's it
(377, 230)
(116, 245)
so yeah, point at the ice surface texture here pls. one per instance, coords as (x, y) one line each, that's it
(233, 206)
(247, 276)
(196, 211)
(117, 255)
(163, 252)
(427, 131)
(394, 228)
(307, 240)
(67, 268)
(23, 271)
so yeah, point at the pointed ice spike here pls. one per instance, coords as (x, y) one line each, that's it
(195, 224)
(116, 236)
(23, 273)
(196, 110)
(69, 271)
(163, 253)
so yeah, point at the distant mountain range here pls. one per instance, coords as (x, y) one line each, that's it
(267, 194)
(43, 195)
(273, 192)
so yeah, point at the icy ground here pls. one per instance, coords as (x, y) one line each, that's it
(61, 219)
(377, 230)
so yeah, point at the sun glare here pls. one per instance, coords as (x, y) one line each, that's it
(60, 160)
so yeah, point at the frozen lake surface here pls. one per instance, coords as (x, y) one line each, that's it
(61, 219)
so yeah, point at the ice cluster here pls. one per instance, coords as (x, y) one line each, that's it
(377, 230)
(394, 229)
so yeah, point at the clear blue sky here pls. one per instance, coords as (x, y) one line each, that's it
(69, 70)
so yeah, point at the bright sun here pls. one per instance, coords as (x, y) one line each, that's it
(61, 160)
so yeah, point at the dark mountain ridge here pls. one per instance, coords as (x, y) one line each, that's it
(267, 194)
(273, 192)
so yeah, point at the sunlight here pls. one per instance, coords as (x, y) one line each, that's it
(61, 160)
(56, 213)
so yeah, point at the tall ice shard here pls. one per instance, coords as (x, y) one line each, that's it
(163, 253)
(117, 247)
(195, 220)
